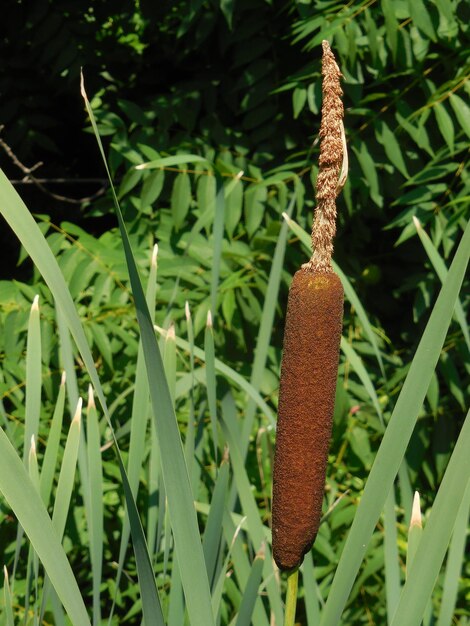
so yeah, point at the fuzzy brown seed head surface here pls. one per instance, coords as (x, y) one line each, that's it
(331, 159)
(306, 401)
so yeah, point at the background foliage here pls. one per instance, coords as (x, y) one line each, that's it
(238, 83)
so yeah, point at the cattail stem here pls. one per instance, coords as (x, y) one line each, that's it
(291, 598)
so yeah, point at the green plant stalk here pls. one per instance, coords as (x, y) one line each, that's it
(291, 597)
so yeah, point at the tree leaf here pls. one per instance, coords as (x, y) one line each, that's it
(227, 7)
(233, 208)
(462, 112)
(180, 199)
(151, 188)
(444, 121)
(421, 18)
(391, 26)
(392, 149)
(368, 167)
(299, 98)
(255, 198)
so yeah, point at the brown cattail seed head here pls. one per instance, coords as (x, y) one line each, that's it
(306, 401)
(311, 352)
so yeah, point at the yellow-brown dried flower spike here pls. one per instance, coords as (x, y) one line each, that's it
(309, 366)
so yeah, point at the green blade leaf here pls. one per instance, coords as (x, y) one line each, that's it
(33, 378)
(397, 435)
(26, 503)
(250, 593)
(436, 536)
(455, 562)
(441, 270)
(178, 489)
(21, 221)
(52, 448)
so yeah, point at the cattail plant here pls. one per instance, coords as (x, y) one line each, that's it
(311, 352)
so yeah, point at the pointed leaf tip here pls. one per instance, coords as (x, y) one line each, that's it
(82, 86)
(154, 255)
(91, 397)
(416, 519)
(171, 335)
(416, 222)
(78, 411)
(35, 304)
(187, 311)
(209, 319)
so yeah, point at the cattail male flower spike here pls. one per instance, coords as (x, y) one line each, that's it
(311, 352)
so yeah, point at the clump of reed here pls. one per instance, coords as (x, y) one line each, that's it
(310, 352)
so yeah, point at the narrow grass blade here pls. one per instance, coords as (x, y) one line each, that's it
(255, 527)
(263, 339)
(49, 463)
(310, 591)
(230, 374)
(250, 509)
(96, 530)
(21, 221)
(415, 532)
(65, 324)
(169, 361)
(33, 467)
(219, 583)
(406, 491)
(156, 499)
(361, 371)
(177, 159)
(166, 533)
(455, 562)
(32, 577)
(33, 385)
(391, 556)
(191, 430)
(176, 603)
(66, 354)
(208, 213)
(33, 377)
(141, 397)
(213, 528)
(65, 487)
(218, 235)
(441, 270)
(250, 593)
(67, 473)
(348, 290)
(3, 414)
(151, 606)
(57, 610)
(211, 381)
(180, 499)
(241, 566)
(397, 436)
(8, 600)
(436, 536)
(139, 421)
(29, 508)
